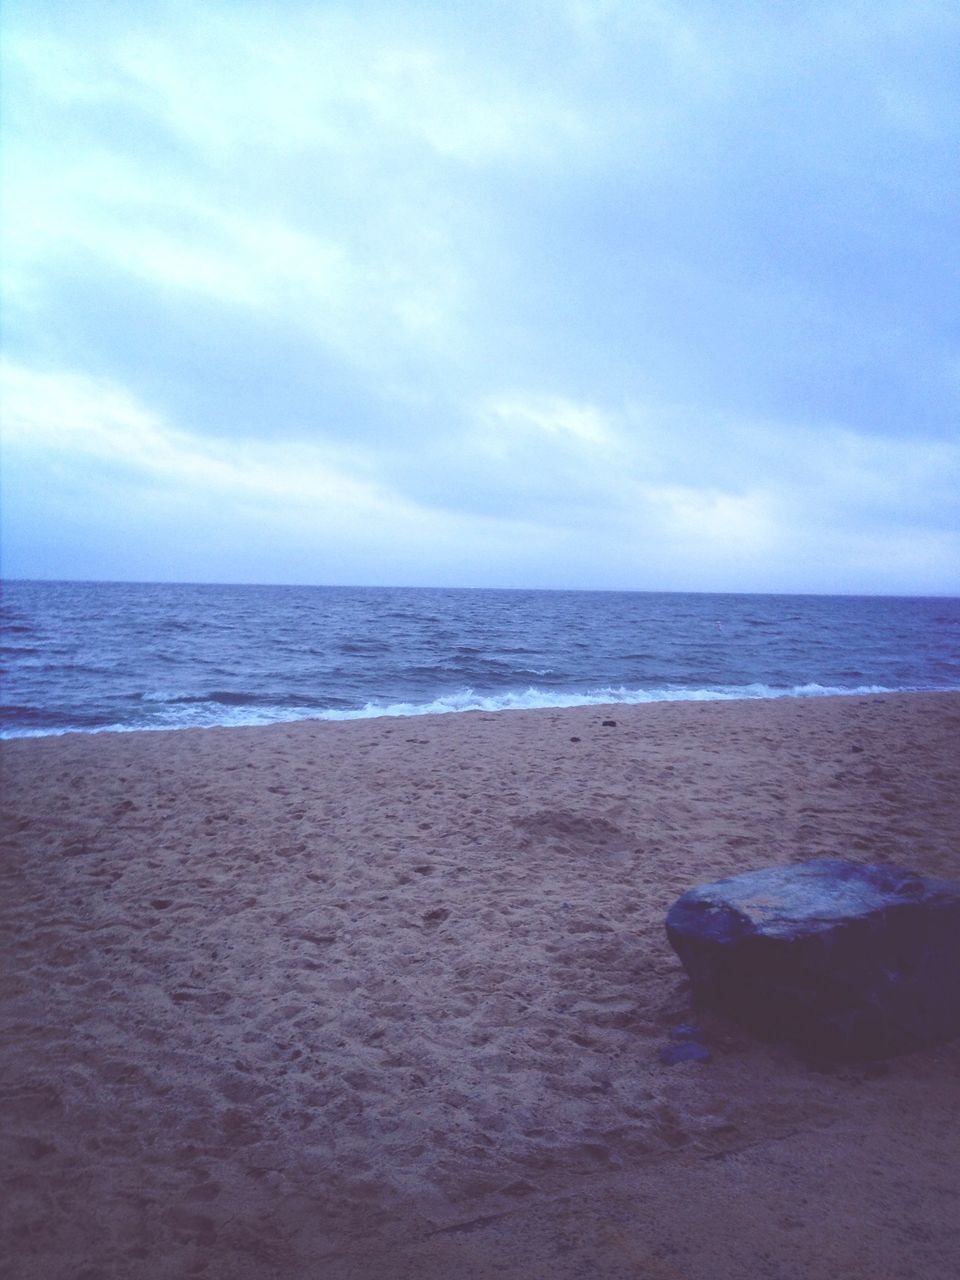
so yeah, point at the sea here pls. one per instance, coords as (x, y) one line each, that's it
(98, 656)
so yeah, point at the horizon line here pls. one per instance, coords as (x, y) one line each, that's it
(371, 586)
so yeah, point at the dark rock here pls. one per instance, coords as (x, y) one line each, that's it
(843, 960)
(609, 724)
(684, 1051)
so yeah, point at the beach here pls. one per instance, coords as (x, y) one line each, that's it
(385, 999)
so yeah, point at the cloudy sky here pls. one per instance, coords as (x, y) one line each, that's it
(564, 293)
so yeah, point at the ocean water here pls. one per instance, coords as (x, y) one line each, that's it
(120, 656)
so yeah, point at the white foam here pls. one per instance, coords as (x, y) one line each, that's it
(533, 698)
(201, 715)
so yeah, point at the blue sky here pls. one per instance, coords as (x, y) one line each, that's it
(566, 294)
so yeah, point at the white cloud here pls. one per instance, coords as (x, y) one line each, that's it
(552, 417)
(232, 82)
(577, 503)
(375, 256)
(331, 80)
(108, 463)
(723, 522)
(73, 415)
(618, 279)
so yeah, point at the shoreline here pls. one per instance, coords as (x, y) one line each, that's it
(383, 999)
(361, 715)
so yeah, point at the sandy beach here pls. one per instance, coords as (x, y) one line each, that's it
(384, 999)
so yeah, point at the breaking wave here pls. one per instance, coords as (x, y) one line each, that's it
(182, 712)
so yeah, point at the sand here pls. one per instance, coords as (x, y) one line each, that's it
(385, 999)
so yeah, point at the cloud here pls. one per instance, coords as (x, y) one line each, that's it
(663, 291)
(72, 415)
(565, 493)
(553, 418)
(97, 457)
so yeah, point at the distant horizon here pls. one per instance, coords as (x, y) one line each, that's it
(406, 586)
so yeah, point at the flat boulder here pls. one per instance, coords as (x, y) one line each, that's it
(843, 960)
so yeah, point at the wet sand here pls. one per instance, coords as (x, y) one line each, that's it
(385, 999)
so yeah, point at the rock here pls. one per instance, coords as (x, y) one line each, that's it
(843, 960)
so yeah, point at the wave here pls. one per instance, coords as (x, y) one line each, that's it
(539, 699)
(222, 697)
(230, 712)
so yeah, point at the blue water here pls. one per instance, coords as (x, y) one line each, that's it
(92, 656)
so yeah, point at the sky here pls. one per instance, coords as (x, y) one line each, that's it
(651, 294)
